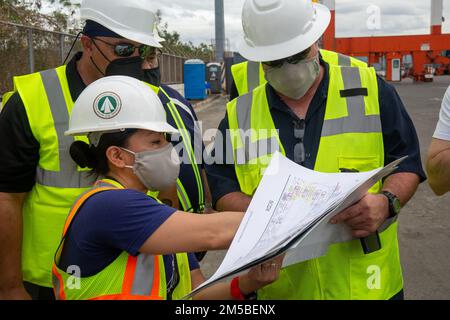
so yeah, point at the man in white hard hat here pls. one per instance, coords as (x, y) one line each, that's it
(328, 118)
(39, 181)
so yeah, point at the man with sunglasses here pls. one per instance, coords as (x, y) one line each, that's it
(328, 117)
(38, 180)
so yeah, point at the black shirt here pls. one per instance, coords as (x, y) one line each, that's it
(18, 147)
(399, 135)
(234, 93)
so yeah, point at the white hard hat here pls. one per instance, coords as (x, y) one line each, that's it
(118, 103)
(277, 29)
(157, 35)
(131, 19)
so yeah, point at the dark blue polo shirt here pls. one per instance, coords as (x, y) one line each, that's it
(399, 135)
(187, 113)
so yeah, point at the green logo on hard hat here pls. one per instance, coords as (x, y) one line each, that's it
(107, 105)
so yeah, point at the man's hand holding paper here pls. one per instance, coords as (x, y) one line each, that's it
(366, 216)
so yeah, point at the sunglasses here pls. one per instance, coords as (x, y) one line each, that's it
(299, 134)
(291, 60)
(125, 50)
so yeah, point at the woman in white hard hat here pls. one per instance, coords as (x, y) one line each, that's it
(119, 243)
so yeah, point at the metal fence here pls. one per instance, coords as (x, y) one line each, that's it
(25, 49)
(172, 68)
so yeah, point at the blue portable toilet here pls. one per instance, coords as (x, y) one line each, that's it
(194, 79)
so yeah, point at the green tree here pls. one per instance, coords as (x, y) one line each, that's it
(14, 46)
(28, 12)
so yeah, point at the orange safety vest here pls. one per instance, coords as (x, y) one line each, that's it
(127, 278)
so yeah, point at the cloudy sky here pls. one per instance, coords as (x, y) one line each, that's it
(194, 19)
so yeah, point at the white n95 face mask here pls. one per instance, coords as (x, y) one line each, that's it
(156, 169)
(294, 80)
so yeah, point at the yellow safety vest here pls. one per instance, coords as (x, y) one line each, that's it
(59, 181)
(126, 278)
(5, 99)
(249, 75)
(48, 104)
(183, 196)
(351, 138)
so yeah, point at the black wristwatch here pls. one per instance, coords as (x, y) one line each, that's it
(251, 296)
(394, 204)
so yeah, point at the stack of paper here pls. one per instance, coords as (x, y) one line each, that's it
(290, 211)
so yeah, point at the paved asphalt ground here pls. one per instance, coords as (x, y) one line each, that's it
(424, 231)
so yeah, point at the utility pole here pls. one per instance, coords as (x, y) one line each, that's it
(437, 8)
(220, 30)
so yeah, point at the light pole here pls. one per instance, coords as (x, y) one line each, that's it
(220, 30)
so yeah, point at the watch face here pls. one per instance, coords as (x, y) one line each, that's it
(396, 205)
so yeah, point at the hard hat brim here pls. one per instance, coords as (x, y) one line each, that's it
(140, 38)
(291, 47)
(161, 127)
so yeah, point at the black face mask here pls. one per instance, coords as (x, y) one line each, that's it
(131, 67)
(153, 76)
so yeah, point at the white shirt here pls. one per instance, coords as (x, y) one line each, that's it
(443, 126)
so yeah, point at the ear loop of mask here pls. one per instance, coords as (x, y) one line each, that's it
(131, 152)
(92, 60)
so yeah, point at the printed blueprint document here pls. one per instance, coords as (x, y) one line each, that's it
(290, 212)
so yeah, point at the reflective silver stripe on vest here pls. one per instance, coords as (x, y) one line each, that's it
(243, 110)
(182, 196)
(251, 150)
(344, 60)
(143, 275)
(356, 121)
(68, 176)
(184, 107)
(198, 134)
(253, 76)
(255, 150)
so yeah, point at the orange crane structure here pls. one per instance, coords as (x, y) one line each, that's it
(427, 51)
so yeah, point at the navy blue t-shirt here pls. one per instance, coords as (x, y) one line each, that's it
(111, 222)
